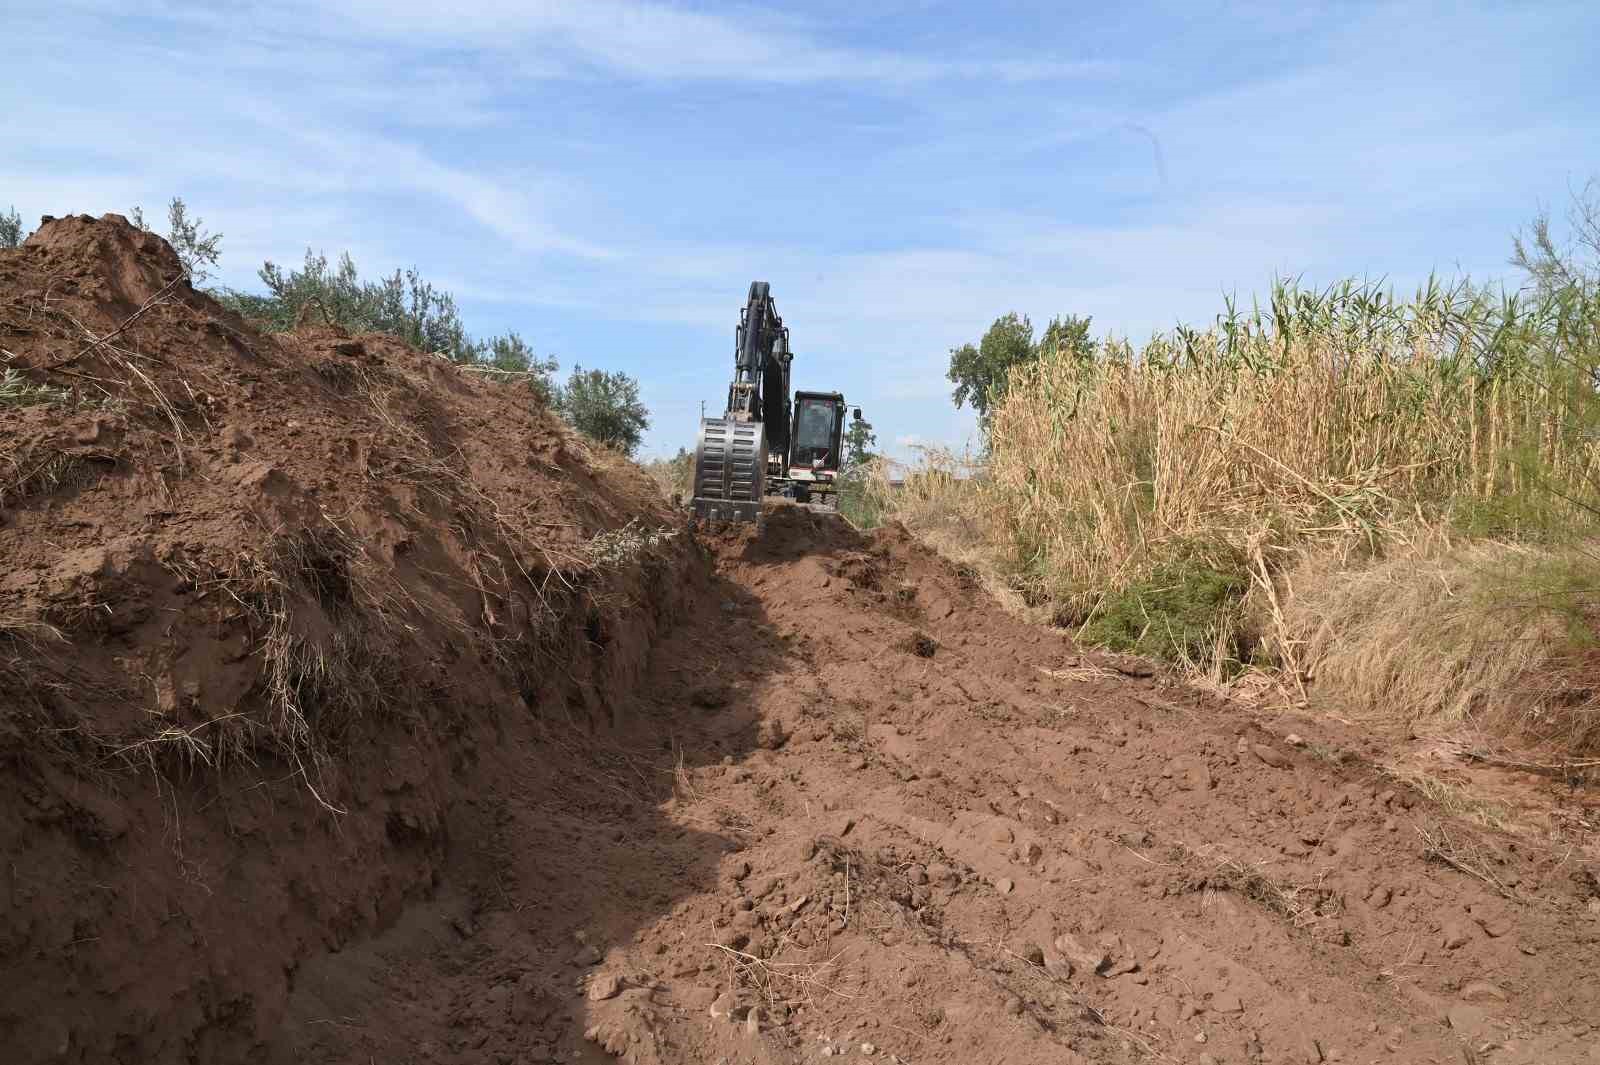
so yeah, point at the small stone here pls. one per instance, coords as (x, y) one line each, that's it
(1455, 936)
(1205, 1059)
(752, 1021)
(772, 734)
(1493, 927)
(604, 986)
(826, 1051)
(1293, 740)
(1275, 758)
(917, 875)
(1014, 1006)
(740, 870)
(1005, 885)
(722, 1007)
(1380, 897)
(1479, 991)
(868, 1049)
(807, 849)
(1081, 956)
(1227, 1002)
(1199, 1037)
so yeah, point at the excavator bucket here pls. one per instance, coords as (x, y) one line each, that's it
(730, 470)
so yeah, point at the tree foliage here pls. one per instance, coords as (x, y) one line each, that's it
(1554, 266)
(981, 372)
(401, 304)
(197, 249)
(605, 406)
(11, 231)
(1068, 333)
(859, 442)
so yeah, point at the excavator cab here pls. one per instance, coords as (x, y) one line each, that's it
(816, 442)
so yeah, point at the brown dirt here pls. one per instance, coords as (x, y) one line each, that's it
(766, 797)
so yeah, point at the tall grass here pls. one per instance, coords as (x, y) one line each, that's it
(1299, 485)
(1341, 417)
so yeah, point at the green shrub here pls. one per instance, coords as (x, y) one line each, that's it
(1180, 612)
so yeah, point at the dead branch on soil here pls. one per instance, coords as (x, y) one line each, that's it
(95, 342)
(123, 358)
(1462, 857)
(769, 976)
(682, 781)
(1300, 905)
(1566, 770)
(1078, 672)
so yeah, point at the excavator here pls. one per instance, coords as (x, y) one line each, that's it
(764, 445)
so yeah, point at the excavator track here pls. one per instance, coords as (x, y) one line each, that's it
(730, 469)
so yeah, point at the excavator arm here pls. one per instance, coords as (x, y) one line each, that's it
(730, 461)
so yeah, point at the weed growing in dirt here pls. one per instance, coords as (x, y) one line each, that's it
(1180, 612)
(617, 547)
(18, 391)
(1457, 800)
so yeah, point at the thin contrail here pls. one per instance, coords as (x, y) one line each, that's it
(1155, 143)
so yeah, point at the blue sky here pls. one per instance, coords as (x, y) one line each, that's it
(607, 177)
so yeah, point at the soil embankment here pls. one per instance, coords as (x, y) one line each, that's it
(609, 793)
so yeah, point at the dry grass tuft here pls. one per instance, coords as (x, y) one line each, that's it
(674, 477)
(1300, 905)
(34, 473)
(1481, 632)
(1460, 854)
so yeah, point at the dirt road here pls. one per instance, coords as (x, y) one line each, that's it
(858, 811)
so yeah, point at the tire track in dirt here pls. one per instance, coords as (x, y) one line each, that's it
(942, 835)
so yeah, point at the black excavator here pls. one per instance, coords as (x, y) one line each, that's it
(764, 445)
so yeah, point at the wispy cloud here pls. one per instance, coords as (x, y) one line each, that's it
(607, 176)
(661, 41)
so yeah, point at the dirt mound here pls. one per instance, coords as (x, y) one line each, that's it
(270, 607)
